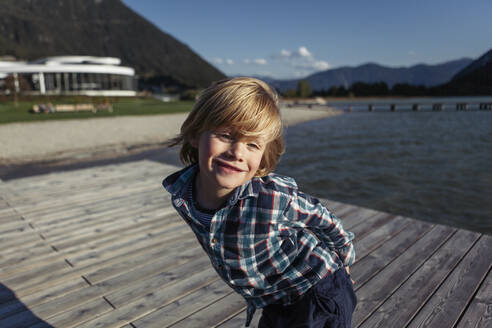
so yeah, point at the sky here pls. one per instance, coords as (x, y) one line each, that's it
(291, 39)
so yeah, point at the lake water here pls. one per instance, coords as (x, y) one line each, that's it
(434, 166)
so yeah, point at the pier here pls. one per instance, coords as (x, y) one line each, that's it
(416, 107)
(103, 247)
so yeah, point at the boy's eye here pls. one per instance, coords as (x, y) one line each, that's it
(254, 145)
(226, 136)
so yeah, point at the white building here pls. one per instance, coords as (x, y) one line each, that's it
(70, 75)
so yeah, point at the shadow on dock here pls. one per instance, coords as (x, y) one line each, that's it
(17, 311)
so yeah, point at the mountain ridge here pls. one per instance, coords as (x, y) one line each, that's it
(32, 29)
(474, 79)
(418, 74)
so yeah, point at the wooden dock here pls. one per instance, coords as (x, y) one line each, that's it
(102, 247)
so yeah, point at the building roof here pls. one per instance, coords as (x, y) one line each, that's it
(67, 64)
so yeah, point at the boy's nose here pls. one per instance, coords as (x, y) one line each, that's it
(237, 150)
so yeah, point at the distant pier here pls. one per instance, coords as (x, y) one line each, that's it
(397, 106)
(417, 107)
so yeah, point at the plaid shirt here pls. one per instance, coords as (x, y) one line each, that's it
(270, 242)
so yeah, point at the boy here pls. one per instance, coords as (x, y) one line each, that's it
(282, 250)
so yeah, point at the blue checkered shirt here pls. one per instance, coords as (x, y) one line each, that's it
(270, 242)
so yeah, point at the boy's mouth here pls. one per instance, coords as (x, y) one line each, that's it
(227, 166)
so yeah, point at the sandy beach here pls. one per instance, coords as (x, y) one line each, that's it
(104, 137)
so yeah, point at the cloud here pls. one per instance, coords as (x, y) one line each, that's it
(222, 61)
(285, 53)
(321, 65)
(260, 61)
(301, 59)
(288, 62)
(303, 52)
(412, 52)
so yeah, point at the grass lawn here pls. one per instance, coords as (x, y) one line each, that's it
(9, 112)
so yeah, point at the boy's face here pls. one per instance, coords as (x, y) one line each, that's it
(226, 161)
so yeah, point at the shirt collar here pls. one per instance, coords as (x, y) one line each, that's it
(177, 183)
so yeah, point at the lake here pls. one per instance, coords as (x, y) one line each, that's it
(434, 166)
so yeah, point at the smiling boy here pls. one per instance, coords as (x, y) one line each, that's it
(279, 248)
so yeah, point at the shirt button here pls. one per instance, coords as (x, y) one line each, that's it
(214, 241)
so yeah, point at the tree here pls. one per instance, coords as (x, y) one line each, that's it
(304, 89)
(291, 93)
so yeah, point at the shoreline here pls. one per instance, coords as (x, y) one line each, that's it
(33, 148)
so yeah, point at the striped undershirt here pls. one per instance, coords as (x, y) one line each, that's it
(201, 214)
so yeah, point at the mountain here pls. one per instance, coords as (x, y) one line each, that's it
(474, 79)
(422, 74)
(32, 29)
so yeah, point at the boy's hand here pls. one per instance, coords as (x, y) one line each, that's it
(348, 271)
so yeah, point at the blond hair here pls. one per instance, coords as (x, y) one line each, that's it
(246, 105)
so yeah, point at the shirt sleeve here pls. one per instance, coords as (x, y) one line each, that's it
(309, 213)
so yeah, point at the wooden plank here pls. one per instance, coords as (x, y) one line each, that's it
(29, 259)
(43, 202)
(167, 235)
(14, 230)
(3, 203)
(70, 207)
(372, 223)
(46, 199)
(160, 273)
(83, 177)
(56, 228)
(240, 319)
(127, 248)
(72, 212)
(479, 313)
(10, 251)
(383, 233)
(214, 314)
(85, 235)
(81, 313)
(357, 216)
(368, 266)
(14, 225)
(154, 300)
(73, 300)
(9, 245)
(373, 293)
(422, 283)
(10, 215)
(41, 278)
(147, 227)
(39, 255)
(182, 308)
(19, 304)
(91, 234)
(79, 271)
(447, 304)
(104, 171)
(108, 205)
(139, 259)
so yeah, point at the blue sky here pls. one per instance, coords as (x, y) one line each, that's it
(287, 39)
